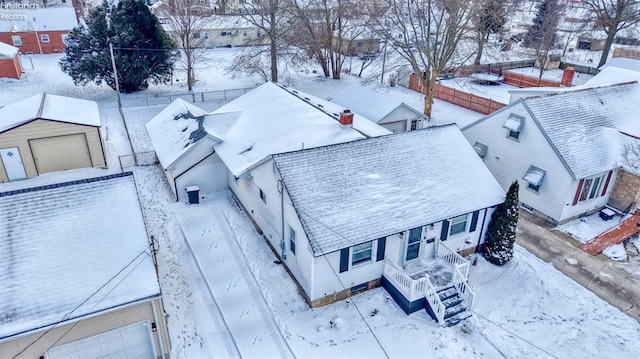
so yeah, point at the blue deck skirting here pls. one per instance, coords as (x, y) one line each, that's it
(408, 307)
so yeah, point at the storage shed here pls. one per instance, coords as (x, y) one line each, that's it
(10, 65)
(48, 133)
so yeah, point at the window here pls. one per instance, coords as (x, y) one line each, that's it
(414, 125)
(196, 35)
(244, 33)
(458, 225)
(44, 38)
(514, 125)
(263, 197)
(17, 41)
(361, 253)
(592, 188)
(481, 149)
(292, 241)
(535, 177)
(64, 38)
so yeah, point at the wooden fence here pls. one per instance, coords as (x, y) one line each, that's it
(457, 97)
(628, 53)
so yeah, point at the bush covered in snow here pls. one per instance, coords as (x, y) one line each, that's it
(501, 234)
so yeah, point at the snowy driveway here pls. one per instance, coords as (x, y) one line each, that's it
(231, 283)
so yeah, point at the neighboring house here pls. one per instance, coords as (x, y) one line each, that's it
(208, 150)
(563, 148)
(77, 274)
(39, 31)
(392, 114)
(351, 216)
(47, 133)
(10, 65)
(357, 40)
(224, 31)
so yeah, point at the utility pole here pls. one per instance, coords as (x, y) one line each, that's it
(115, 74)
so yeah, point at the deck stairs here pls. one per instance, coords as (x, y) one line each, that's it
(455, 309)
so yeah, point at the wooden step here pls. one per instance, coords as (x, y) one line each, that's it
(615, 235)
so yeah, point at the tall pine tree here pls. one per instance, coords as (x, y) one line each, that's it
(501, 233)
(142, 53)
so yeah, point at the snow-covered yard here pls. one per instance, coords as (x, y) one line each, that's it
(525, 309)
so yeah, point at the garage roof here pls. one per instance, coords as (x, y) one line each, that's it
(50, 107)
(59, 264)
(7, 51)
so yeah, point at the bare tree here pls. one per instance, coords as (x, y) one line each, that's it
(631, 157)
(541, 36)
(492, 15)
(573, 26)
(267, 16)
(613, 16)
(187, 29)
(426, 33)
(222, 6)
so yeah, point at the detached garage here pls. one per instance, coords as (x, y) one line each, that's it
(49, 133)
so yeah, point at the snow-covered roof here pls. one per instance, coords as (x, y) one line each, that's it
(42, 19)
(50, 107)
(613, 75)
(349, 193)
(175, 130)
(368, 103)
(72, 249)
(7, 51)
(622, 63)
(588, 128)
(273, 119)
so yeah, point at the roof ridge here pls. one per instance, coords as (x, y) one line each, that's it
(65, 184)
(42, 99)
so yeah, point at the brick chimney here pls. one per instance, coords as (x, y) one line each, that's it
(346, 119)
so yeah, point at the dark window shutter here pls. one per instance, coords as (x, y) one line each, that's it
(344, 260)
(445, 230)
(474, 221)
(577, 196)
(381, 246)
(606, 183)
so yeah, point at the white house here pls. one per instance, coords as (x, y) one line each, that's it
(196, 148)
(392, 114)
(351, 216)
(563, 148)
(77, 274)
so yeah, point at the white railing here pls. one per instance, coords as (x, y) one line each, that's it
(414, 289)
(453, 258)
(466, 294)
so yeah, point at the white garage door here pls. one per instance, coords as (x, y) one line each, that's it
(130, 342)
(60, 153)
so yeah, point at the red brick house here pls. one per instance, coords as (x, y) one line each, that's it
(39, 31)
(10, 65)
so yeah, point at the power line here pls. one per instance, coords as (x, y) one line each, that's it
(514, 334)
(68, 314)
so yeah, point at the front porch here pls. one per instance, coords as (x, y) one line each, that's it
(437, 284)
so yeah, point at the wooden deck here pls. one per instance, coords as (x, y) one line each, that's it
(615, 235)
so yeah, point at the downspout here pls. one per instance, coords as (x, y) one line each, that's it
(282, 242)
(159, 331)
(484, 218)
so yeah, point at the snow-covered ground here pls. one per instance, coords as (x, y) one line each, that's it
(525, 309)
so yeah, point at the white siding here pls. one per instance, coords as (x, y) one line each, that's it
(401, 113)
(509, 160)
(209, 175)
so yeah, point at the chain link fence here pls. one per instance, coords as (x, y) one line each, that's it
(192, 97)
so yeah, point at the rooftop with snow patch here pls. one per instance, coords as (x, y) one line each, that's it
(368, 103)
(7, 51)
(72, 249)
(42, 19)
(349, 193)
(273, 119)
(50, 107)
(589, 127)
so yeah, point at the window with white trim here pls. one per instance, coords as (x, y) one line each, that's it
(361, 253)
(514, 124)
(45, 37)
(591, 188)
(292, 241)
(534, 177)
(458, 225)
(17, 40)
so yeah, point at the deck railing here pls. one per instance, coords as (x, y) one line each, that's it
(454, 259)
(466, 294)
(414, 289)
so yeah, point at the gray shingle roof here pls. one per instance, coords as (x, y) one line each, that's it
(353, 192)
(584, 126)
(60, 243)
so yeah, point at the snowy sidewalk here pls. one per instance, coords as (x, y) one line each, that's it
(231, 283)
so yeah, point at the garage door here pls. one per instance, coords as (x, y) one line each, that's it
(132, 341)
(60, 153)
